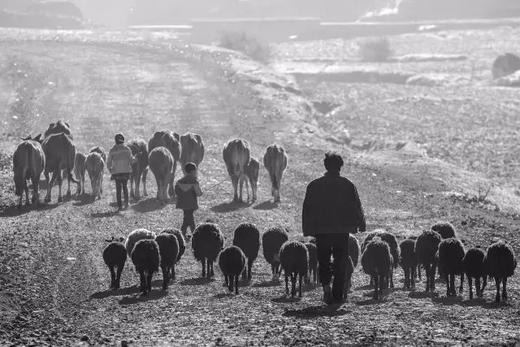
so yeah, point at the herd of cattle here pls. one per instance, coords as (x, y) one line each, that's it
(56, 154)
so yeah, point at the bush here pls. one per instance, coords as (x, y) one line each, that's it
(249, 45)
(375, 49)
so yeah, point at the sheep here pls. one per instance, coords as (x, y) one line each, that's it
(418, 268)
(294, 260)
(445, 229)
(377, 261)
(232, 261)
(426, 248)
(272, 241)
(450, 257)
(408, 262)
(353, 249)
(247, 238)
(169, 251)
(207, 242)
(313, 263)
(114, 256)
(180, 240)
(474, 268)
(394, 250)
(136, 235)
(146, 259)
(500, 263)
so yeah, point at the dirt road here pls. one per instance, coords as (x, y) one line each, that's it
(53, 280)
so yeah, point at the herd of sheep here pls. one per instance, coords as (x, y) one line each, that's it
(380, 254)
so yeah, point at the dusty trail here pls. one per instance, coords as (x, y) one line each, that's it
(59, 296)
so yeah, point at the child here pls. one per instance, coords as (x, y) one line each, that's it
(119, 163)
(187, 190)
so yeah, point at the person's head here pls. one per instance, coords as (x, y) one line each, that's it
(190, 169)
(333, 162)
(119, 138)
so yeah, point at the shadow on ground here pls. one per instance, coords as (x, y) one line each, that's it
(14, 211)
(229, 206)
(115, 292)
(196, 281)
(148, 205)
(155, 294)
(266, 205)
(317, 311)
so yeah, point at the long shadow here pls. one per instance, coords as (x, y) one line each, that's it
(229, 206)
(266, 205)
(115, 292)
(106, 214)
(82, 200)
(371, 301)
(155, 294)
(14, 211)
(196, 281)
(224, 295)
(286, 299)
(267, 284)
(422, 295)
(448, 300)
(317, 311)
(148, 205)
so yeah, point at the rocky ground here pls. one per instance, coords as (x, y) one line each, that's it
(54, 285)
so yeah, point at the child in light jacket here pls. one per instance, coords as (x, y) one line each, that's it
(188, 190)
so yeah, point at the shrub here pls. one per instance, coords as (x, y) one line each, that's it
(247, 44)
(375, 49)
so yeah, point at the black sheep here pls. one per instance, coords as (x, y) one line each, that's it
(500, 263)
(232, 263)
(294, 260)
(169, 250)
(408, 262)
(426, 248)
(451, 255)
(114, 256)
(313, 263)
(272, 241)
(180, 241)
(247, 238)
(391, 240)
(445, 229)
(146, 258)
(474, 269)
(377, 261)
(207, 242)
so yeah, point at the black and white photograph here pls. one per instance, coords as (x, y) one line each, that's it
(259, 173)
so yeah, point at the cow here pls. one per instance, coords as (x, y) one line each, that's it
(101, 151)
(252, 170)
(192, 149)
(236, 155)
(139, 150)
(170, 141)
(79, 172)
(275, 161)
(60, 153)
(161, 164)
(57, 128)
(28, 164)
(95, 166)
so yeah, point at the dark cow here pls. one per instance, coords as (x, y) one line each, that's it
(161, 163)
(28, 164)
(95, 166)
(57, 128)
(170, 141)
(275, 161)
(192, 149)
(236, 155)
(139, 150)
(60, 153)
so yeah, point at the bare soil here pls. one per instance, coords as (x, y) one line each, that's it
(54, 284)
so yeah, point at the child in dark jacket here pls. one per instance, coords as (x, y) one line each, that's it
(188, 190)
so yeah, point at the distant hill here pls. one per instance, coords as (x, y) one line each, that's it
(40, 14)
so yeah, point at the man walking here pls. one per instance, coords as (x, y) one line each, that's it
(332, 210)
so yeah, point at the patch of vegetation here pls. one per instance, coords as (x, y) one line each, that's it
(247, 44)
(375, 49)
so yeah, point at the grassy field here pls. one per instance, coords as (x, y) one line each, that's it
(53, 283)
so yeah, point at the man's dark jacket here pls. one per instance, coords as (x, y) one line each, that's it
(332, 206)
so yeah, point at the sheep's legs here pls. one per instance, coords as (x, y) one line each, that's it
(172, 275)
(504, 290)
(432, 278)
(461, 287)
(249, 267)
(112, 278)
(143, 282)
(470, 282)
(293, 285)
(149, 282)
(234, 181)
(391, 274)
(236, 284)
(203, 261)
(143, 179)
(484, 283)
(376, 287)
(166, 277)
(497, 284)
(286, 284)
(406, 278)
(452, 285)
(300, 289)
(118, 277)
